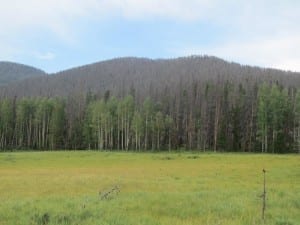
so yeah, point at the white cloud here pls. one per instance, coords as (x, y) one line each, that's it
(275, 52)
(263, 33)
(258, 32)
(57, 15)
(60, 18)
(25, 14)
(170, 9)
(44, 56)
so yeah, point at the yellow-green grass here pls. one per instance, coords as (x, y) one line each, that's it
(155, 188)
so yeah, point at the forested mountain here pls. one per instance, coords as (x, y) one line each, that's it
(146, 77)
(12, 72)
(200, 103)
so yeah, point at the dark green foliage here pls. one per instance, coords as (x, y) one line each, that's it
(6, 123)
(231, 121)
(57, 125)
(32, 123)
(274, 119)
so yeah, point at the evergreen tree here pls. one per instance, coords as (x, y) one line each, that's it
(57, 125)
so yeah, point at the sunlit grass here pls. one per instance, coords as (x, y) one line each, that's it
(157, 188)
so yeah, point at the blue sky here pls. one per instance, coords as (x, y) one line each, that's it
(56, 35)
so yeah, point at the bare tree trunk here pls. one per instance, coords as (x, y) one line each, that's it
(216, 127)
(136, 139)
(146, 134)
(122, 132)
(118, 130)
(158, 137)
(266, 139)
(251, 126)
(139, 142)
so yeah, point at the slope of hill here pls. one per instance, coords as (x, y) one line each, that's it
(11, 72)
(145, 77)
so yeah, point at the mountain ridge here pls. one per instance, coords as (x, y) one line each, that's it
(171, 59)
(147, 59)
(121, 75)
(12, 72)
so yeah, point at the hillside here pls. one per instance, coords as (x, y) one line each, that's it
(199, 102)
(145, 77)
(12, 72)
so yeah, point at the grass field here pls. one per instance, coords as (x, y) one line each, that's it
(177, 188)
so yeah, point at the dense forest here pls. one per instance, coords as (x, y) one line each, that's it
(194, 103)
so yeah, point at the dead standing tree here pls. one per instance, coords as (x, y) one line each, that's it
(263, 196)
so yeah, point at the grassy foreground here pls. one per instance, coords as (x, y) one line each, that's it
(63, 188)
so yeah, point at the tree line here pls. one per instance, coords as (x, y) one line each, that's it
(213, 116)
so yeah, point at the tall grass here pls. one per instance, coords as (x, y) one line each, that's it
(158, 188)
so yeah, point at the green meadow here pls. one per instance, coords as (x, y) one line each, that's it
(90, 188)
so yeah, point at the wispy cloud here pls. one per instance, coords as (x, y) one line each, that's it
(44, 56)
(167, 9)
(266, 32)
(59, 14)
(34, 15)
(280, 52)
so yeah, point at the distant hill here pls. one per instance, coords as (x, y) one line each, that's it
(11, 72)
(145, 77)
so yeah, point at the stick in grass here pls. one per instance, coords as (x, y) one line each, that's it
(264, 196)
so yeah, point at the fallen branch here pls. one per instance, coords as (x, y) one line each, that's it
(109, 193)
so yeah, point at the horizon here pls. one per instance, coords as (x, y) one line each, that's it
(57, 35)
(148, 58)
